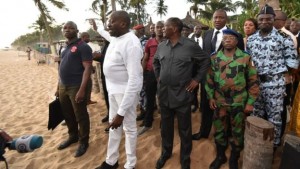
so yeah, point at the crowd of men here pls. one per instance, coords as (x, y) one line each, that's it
(236, 78)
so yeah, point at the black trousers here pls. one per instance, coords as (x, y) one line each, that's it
(195, 101)
(286, 102)
(150, 89)
(183, 114)
(207, 113)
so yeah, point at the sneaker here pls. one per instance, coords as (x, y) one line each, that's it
(143, 130)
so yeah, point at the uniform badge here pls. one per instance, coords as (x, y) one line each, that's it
(74, 48)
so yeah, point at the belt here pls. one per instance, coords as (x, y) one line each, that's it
(268, 77)
(265, 78)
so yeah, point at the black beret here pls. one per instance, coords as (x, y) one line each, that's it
(230, 32)
(267, 10)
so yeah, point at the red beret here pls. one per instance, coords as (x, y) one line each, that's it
(137, 27)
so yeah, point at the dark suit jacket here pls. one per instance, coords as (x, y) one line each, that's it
(207, 37)
(173, 66)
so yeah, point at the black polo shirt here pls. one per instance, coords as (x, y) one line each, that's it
(71, 67)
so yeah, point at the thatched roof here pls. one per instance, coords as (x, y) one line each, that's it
(188, 20)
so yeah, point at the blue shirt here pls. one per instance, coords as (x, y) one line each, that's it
(71, 67)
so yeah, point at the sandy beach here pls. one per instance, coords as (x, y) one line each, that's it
(27, 88)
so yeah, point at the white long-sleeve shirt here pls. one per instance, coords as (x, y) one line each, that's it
(123, 69)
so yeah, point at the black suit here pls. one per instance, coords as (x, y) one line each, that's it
(207, 113)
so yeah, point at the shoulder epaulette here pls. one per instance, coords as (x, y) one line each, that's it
(283, 33)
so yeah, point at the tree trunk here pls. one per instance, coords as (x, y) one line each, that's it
(272, 3)
(258, 151)
(113, 5)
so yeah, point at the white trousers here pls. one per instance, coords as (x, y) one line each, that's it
(115, 136)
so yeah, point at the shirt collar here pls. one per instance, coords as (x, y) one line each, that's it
(75, 40)
(180, 41)
(221, 30)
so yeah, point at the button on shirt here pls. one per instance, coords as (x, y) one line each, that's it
(272, 54)
(122, 68)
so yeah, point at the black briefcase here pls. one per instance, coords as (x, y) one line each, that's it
(55, 114)
(290, 158)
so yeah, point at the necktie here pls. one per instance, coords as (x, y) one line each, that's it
(214, 42)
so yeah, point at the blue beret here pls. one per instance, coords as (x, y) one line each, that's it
(267, 10)
(230, 32)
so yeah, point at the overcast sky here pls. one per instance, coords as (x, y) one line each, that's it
(17, 15)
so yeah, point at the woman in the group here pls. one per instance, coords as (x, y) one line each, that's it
(250, 27)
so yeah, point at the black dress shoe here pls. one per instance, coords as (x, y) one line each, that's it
(81, 149)
(198, 136)
(104, 165)
(161, 161)
(67, 143)
(105, 119)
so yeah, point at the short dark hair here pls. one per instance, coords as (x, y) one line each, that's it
(177, 23)
(222, 10)
(124, 16)
(254, 21)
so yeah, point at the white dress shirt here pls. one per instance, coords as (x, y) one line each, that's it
(219, 36)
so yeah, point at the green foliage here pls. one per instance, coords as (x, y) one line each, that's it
(249, 10)
(30, 39)
(291, 8)
(161, 8)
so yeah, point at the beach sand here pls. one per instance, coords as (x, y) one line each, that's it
(26, 90)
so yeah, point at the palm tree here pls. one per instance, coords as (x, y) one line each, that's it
(195, 7)
(47, 19)
(161, 9)
(211, 6)
(101, 9)
(39, 26)
(139, 9)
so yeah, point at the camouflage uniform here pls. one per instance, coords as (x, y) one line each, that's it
(272, 55)
(232, 82)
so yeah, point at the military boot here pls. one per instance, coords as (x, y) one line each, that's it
(220, 158)
(234, 156)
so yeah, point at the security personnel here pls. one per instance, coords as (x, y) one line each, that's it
(232, 88)
(273, 54)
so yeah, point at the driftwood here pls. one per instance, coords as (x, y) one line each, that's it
(258, 151)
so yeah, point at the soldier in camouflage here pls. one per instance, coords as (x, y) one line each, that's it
(273, 54)
(232, 88)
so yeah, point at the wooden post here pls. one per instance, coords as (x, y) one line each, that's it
(258, 150)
